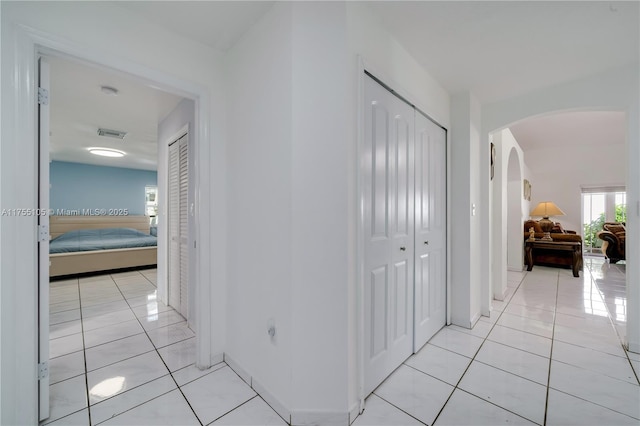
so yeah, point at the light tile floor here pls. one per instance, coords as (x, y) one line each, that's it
(550, 354)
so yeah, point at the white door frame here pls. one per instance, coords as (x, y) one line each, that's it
(360, 231)
(29, 44)
(44, 127)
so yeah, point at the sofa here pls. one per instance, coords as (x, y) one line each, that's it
(553, 257)
(613, 235)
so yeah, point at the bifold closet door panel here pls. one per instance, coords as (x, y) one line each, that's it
(173, 220)
(178, 225)
(430, 229)
(388, 201)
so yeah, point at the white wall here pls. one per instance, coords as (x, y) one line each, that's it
(303, 172)
(320, 210)
(560, 172)
(514, 220)
(466, 233)
(503, 202)
(118, 36)
(259, 204)
(615, 90)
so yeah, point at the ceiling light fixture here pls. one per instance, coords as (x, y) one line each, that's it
(106, 152)
(108, 90)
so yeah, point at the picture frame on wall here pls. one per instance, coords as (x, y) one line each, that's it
(526, 192)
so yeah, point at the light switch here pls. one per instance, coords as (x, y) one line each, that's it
(473, 209)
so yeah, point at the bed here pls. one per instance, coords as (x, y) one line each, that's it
(83, 244)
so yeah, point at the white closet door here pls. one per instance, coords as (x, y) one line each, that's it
(430, 230)
(388, 222)
(184, 228)
(178, 224)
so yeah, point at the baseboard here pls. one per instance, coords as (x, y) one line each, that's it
(354, 412)
(515, 269)
(297, 418)
(264, 393)
(270, 399)
(325, 418)
(474, 320)
(217, 359)
(500, 296)
(634, 347)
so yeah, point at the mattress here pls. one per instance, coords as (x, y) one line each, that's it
(101, 239)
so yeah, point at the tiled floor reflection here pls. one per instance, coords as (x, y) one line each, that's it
(119, 356)
(549, 354)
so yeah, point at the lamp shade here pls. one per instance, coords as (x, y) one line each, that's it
(546, 209)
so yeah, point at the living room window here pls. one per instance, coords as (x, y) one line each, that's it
(600, 205)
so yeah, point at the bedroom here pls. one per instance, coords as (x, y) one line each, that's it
(107, 305)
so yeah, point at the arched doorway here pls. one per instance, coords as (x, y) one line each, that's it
(514, 213)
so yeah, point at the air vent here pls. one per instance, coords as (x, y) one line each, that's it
(112, 133)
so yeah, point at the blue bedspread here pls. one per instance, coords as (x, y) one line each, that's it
(101, 239)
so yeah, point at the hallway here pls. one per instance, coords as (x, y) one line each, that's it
(550, 355)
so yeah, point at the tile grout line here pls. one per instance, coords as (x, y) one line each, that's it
(594, 283)
(400, 409)
(85, 350)
(158, 353)
(456, 386)
(553, 333)
(234, 408)
(84, 353)
(465, 371)
(160, 356)
(610, 317)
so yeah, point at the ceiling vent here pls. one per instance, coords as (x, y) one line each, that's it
(112, 133)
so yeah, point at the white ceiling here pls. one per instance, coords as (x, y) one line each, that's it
(218, 24)
(571, 129)
(500, 49)
(495, 49)
(79, 108)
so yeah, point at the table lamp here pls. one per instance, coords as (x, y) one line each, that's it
(546, 209)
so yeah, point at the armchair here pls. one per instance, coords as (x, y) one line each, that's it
(613, 235)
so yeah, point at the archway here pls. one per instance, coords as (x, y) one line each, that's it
(606, 91)
(514, 213)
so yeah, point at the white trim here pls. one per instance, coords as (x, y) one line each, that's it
(325, 418)
(294, 417)
(476, 317)
(29, 43)
(360, 233)
(265, 394)
(590, 189)
(273, 402)
(244, 375)
(354, 412)
(19, 302)
(217, 359)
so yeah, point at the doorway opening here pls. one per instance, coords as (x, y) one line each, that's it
(104, 313)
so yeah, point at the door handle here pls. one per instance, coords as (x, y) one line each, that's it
(403, 248)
